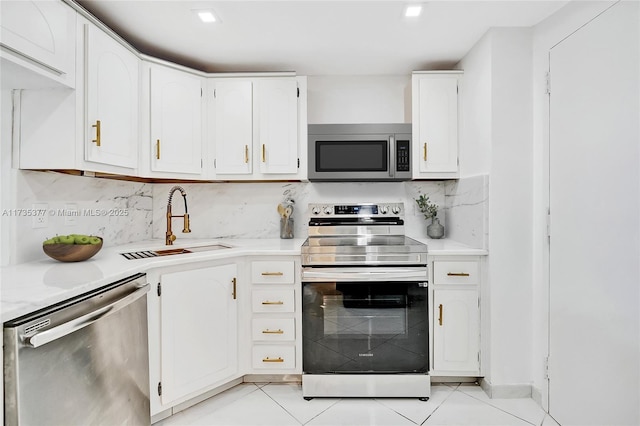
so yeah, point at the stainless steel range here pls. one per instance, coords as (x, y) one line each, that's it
(365, 311)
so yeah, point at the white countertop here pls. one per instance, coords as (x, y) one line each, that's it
(30, 286)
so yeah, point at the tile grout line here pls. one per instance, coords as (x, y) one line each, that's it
(294, 417)
(440, 405)
(500, 409)
(389, 408)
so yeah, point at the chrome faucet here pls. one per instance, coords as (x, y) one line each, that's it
(170, 237)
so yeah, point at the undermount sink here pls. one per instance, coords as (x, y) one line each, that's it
(142, 254)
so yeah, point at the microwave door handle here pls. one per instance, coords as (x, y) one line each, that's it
(392, 156)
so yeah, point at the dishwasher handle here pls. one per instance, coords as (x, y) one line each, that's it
(38, 339)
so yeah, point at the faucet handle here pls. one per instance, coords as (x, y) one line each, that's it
(186, 229)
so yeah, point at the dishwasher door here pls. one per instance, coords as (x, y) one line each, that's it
(83, 361)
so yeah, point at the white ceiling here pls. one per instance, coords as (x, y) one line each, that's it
(322, 37)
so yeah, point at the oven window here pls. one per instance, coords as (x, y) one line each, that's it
(364, 327)
(351, 156)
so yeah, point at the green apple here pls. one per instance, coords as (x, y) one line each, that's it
(49, 241)
(94, 240)
(81, 239)
(66, 239)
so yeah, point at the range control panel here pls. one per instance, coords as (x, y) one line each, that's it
(356, 210)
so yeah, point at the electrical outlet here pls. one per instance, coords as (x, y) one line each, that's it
(40, 217)
(71, 214)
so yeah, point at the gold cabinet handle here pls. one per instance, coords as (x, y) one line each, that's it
(457, 274)
(97, 127)
(267, 302)
(158, 149)
(264, 153)
(425, 151)
(267, 331)
(235, 293)
(273, 274)
(440, 317)
(267, 359)
(246, 153)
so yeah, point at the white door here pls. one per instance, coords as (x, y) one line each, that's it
(176, 119)
(234, 127)
(277, 128)
(594, 354)
(112, 101)
(456, 331)
(198, 316)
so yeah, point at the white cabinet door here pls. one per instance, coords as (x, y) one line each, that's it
(176, 121)
(198, 330)
(112, 82)
(456, 331)
(43, 32)
(435, 124)
(233, 126)
(277, 125)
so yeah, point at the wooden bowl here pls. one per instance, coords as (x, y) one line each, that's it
(71, 252)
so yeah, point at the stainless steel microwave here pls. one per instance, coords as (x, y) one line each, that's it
(359, 152)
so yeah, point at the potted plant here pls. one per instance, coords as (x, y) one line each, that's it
(430, 211)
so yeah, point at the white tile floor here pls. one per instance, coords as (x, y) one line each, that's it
(279, 404)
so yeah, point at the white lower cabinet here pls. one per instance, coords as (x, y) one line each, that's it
(275, 317)
(193, 332)
(455, 319)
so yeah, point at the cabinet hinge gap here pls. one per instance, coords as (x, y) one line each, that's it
(159, 388)
(297, 92)
(159, 289)
(298, 163)
(547, 83)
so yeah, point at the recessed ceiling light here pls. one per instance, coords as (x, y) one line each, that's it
(413, 11)
(206, 15)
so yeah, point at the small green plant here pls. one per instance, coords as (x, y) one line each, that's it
(428, 209)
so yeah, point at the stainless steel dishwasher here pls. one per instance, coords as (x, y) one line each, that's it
(82, 361)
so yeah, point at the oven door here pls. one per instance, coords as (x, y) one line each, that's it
(353, 327)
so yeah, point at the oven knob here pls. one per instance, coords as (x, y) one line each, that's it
(395, 209)
(384, 209)
(328, 210)
(315, 210)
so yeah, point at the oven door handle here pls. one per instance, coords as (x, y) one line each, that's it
(364, 274)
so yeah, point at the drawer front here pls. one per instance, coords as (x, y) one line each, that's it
(277, 272)
(270, 357)
(273, 329)
(456, 272)
(273, 300)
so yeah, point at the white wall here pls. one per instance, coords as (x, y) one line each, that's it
(497, 108)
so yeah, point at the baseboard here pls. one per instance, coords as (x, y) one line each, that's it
(272, 378)
(506, 391)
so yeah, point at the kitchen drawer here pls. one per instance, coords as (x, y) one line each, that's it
(274, 357)
(456, 272)
(273, 329)
(273, 300)
(277, 272)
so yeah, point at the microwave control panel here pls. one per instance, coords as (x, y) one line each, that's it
(402, 155)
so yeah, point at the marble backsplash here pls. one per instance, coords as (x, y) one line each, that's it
(118, 211)
(123, 212)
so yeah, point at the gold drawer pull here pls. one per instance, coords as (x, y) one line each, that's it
(425, 151)
(267, 331)
(246, 153)
(279, 302)
(97, 139)
(457, 274)
(440, 317)
(235, 288)
(267, 359)
(273, 274)
(157, 149)
(264, 154)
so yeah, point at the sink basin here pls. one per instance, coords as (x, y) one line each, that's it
(142, 254)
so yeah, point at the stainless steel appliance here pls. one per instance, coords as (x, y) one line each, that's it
(359, 152)
(364, 311)
(83, 361)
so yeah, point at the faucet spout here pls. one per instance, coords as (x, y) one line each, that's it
(169, 235)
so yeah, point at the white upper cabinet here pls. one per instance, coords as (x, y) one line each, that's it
(39, 36)
(435, 124)
(277, 129)
(176, 121)
(256, 128)
(112, 83)
(233, 100)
